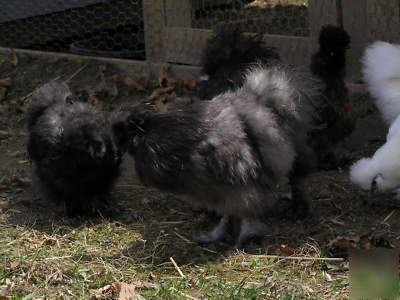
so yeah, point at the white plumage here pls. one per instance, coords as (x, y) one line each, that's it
(383, 167)
(381, 70)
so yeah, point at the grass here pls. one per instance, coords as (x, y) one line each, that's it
(66, 260)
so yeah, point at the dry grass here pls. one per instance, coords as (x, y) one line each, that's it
(59, 258)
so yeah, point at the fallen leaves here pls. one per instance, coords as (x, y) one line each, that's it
(133, 84)
(122, 291)
(341, 245)
(168, 90)
(108, 87)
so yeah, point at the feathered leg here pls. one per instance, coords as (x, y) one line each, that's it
(226, 231)
(304, 164)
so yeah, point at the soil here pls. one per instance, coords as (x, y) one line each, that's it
(339, 209)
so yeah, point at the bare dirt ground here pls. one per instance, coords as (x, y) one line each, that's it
(45, 255)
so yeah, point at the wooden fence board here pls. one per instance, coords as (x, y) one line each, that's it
(186, 46)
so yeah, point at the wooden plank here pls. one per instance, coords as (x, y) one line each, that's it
(154, 23)
(186, 46)
(383, 20)
(355, 21)
(144, 72)
(178, 13)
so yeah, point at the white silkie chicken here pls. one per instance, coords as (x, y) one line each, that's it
(382, 170)
(381, 70)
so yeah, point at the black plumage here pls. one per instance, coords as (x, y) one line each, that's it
(228, 54)
(336, 119)
(72, 150)
(229, 154)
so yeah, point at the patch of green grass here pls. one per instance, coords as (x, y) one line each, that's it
(65, 259)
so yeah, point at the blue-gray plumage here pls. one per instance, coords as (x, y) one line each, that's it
(230, 153)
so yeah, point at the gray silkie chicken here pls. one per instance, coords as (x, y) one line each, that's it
(229, 154)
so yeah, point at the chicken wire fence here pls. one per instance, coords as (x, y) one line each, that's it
(115, 28)
(90, 27)
(283, 17)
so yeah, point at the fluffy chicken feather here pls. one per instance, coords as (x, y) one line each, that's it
(382, 170)
(381, 69)
(230, 153)
(74, 158)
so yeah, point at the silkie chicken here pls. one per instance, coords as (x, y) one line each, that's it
(228, 54)
(72, 150)
(381, 70)
(229, 154)
(336, 120)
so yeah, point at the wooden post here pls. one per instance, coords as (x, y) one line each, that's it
(322, 12)
(178, 13)
(383, 20)
(154, 23)
(356, 23)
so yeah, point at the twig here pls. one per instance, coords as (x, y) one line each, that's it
(177, 267)
(172, 222)
(58, 257)
(184, 295)
(338, 259)
(183, 238)
(388, 217)
(76, 73)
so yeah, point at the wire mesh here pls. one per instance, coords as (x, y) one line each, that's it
(283, 17)
(115, 28)
(90, 27)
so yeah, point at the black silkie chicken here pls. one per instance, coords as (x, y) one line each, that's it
(230, 153)
(336, 119)
(227, 56)
(71, 147)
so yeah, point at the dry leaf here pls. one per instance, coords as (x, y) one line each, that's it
(187, 84)
(5, 82)
(287, 250)
(132, 83)
(4, 297)
(14, 58)
(49, 242)
(3, 93)
(99, 293)
(95, 101)
(158, 92)
(126, 291)
(165, 79)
